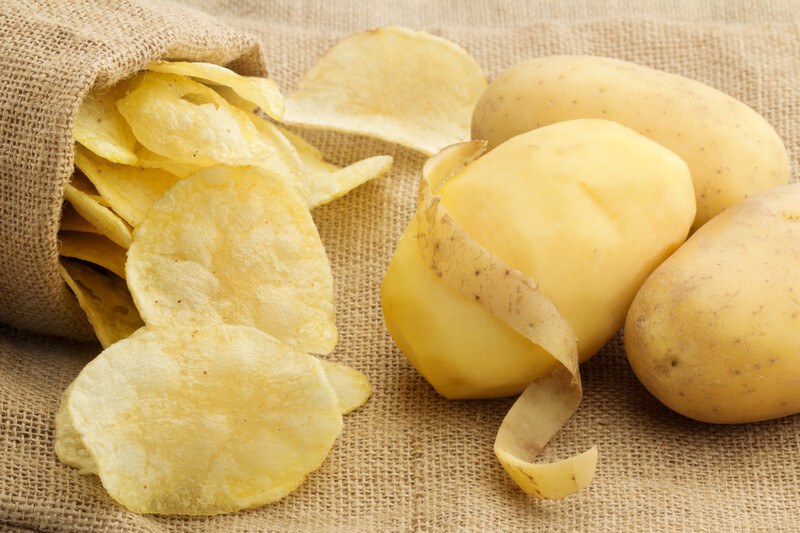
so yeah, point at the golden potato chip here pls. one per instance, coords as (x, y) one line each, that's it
(105, 299)
(402, 86)
(149, 159)
(184, 120)
(84, 185)
(234, 245)
(100, 128)
(262, 92)
(203, 420)
(287, 161)
(68, 443)
(328, 181)
(71, 220)
(105, 220)
(130, 191)
(94, 248)
(352, 388)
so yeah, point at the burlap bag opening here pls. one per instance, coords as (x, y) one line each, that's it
(51, 54)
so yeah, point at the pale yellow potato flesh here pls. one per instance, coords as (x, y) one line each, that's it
(105, 299)
(403, 86)
(732, 151)
(202, 420)
(234, 245)
(715, 330)
(94, 248)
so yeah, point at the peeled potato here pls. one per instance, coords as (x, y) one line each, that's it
(587, 233)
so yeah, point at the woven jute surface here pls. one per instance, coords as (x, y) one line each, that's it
(409, 460)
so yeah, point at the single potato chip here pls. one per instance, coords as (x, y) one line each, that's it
(402, 86)
(105, 299)
(130, 191)
(104, 219)
(203, 420)
(68, 443)
(71, 220)
(94, 248)
(234, 245)
(186, 121)
(352, 388)
(262, 92)
(100, 128)
(328, 181)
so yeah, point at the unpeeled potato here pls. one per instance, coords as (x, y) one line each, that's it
(714, 333)
(586, 208)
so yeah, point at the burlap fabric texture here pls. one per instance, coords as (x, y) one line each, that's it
(51, 54)
(409, 460)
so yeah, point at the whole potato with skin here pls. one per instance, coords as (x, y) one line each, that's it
(732, 152)
(714, 333)
(587, 208)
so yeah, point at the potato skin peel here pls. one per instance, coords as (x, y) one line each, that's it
(714, 332)
(731, 150)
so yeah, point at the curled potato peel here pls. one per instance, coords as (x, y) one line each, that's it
(461, 262)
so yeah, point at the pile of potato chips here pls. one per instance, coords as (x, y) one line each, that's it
(187, 239)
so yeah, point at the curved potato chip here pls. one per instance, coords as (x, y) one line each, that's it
(203, 420)
(402, 86)
(104, 219)
(100, 128)
(184, 120)
(150, 159)
(68, 443)
(71, 220)
(84, 185)
(328, 181)
(234, 245)
(287, 162)
(263, 92)
(105, 299)
(547, 403)
(130, 191)
(352, 388)
(94, 248)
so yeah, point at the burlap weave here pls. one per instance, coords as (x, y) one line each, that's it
(409, 460)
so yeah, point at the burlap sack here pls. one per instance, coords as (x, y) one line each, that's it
(409, 460)
(51, 54)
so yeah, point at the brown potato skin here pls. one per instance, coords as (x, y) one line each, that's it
(714, 332)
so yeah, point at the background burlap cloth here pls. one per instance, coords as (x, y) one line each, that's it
(408, 460)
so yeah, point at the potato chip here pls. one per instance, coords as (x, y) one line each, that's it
(71, 220)
(328, 181)
(105, 299)
(262, 92)
(179, 118)
(352, 388)
(399, 85)
(150, 159)
(130, 191)
(68, 443)
(94, 248)
(100, 128)
(287, 162)
(105, 220)
(203, 420)
(234, 245)
(84, 185)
